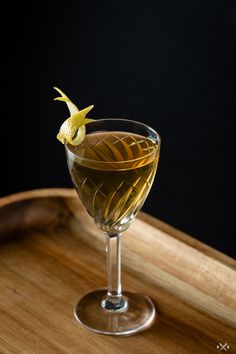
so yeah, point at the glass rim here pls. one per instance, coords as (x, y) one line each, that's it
(66, 144)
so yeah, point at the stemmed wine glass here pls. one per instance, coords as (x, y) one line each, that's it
(113, 171)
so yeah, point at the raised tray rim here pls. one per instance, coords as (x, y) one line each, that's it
(157, 223)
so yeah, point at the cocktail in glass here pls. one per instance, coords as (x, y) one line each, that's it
(113, 170)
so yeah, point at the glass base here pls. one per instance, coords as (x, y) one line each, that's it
(136, 317)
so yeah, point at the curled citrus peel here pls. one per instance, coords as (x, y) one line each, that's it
(73, 128)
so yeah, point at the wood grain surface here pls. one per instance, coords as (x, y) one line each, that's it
(51, 253)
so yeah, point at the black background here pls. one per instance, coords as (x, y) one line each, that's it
(169, 63)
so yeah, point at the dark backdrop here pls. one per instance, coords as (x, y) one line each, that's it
(167, 63)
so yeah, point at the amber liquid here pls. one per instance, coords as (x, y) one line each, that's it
(113, 174)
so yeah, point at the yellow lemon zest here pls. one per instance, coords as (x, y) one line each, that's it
(73, 128)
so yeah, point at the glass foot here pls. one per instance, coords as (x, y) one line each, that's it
(137, 316)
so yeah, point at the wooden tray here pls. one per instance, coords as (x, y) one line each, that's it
(51, 254)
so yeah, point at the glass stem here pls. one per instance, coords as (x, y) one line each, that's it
(114, 300)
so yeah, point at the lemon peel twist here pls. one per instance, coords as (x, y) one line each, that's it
(73, 128)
